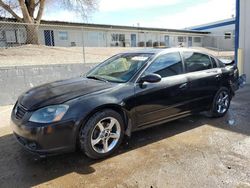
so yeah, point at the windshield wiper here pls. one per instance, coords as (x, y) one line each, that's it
(97, 78)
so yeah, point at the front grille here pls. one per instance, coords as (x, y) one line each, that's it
(20, 111)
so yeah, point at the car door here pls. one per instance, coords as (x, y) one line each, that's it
(157, 102)
(203, 78)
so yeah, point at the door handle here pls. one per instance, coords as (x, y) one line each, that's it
(183, 86)
(218, 76)
(212, 71)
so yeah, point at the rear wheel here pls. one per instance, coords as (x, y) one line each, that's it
(221, 103)
(102, 134)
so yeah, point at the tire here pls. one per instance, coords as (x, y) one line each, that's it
(102, 134)
(220, 107)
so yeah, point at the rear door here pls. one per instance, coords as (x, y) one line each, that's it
(156, 102)
(203, 77)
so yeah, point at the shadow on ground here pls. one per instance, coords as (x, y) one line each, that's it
(18, 167)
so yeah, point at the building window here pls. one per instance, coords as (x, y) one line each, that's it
(63, 35)
(228, 35)
(121, 37)
(197, 39)
(1, 35)
(181, 39)
(114, 37)
(117, 37)
(10, 36)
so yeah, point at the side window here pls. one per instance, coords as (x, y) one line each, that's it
(166, 65)
(196, 61)
(221, 64)
(214, 63)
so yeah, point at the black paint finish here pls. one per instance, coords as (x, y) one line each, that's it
(142, 104)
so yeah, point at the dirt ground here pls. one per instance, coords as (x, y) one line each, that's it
(192, 152)
(41, 55)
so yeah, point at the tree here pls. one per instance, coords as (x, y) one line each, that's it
(32, 12)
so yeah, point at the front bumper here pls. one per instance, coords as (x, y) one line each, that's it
(45, 139)
(242, 80)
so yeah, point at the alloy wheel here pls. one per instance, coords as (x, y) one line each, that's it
(222, 102)
(105, 135)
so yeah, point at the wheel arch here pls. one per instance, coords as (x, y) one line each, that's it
(117, 108)
(229, 86)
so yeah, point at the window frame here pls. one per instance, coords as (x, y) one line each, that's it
(118, 37)
(184, 39)
(11, 36)
(216, 62)
(185, 65)
(62, 33)
(195, 39)
(2, 35)
(228, 35)
(153, 60)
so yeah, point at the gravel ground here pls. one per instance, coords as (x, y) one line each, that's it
(192, 152)
(40, 55)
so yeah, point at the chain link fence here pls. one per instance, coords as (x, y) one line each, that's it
(57, 43)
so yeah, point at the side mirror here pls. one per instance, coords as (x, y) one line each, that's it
(150, 78)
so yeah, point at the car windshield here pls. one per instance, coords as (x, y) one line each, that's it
(119, 68)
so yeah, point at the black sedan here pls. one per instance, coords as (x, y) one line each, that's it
(126, 93)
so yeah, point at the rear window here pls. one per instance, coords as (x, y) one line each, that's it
(196, 61)
(221, 64)
(214, 62)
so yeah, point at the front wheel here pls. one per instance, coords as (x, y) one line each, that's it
(221, 103)
(102, 134)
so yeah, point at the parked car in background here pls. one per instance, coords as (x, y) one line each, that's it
(126, 93)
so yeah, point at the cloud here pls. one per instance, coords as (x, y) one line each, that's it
(117, 5)
(62, 15)
(190, 15)
(210, 11)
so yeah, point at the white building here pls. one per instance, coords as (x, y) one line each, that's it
(53, 33)
(222, 34)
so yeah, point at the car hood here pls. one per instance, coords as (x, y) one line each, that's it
(60, 91)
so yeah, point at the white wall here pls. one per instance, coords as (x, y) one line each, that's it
(244, 35)
(93, 36)
(219, 32)
(217, 39)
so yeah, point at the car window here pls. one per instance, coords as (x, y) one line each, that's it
(221, 64)
(121, 67)
(166, 65)
(214, 63)
(196, 61)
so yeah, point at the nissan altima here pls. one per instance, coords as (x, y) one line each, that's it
(128, 92)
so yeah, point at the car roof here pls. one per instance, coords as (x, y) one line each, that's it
(164, 50)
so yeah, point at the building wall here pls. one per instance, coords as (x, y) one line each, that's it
(12, 35)
(66, 36)
(244, 37)
(218, 34)
(217, 38)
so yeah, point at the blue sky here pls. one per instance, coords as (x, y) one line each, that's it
(153, 13)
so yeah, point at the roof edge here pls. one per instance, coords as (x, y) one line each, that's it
(47, 22)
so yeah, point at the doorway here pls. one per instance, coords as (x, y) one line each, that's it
(49, 37)
(133, 40)
(166, 39)
(190, 41)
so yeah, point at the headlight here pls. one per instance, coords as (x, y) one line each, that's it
(49, 114)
